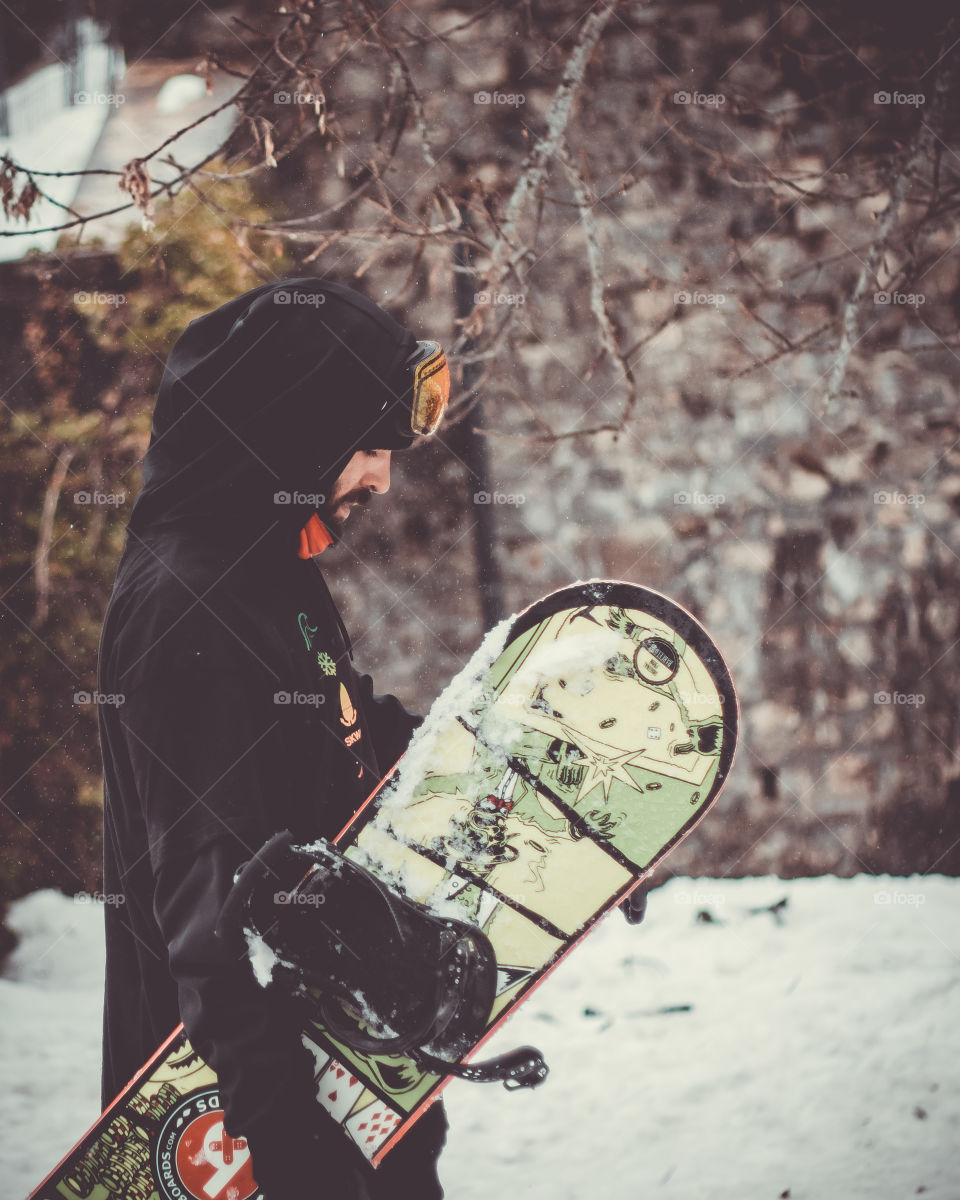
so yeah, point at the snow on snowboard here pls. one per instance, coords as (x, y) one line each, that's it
(583, 740)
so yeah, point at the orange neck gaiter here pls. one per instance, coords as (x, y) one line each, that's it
(314, 538)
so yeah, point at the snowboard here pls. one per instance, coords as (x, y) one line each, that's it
(582, 741)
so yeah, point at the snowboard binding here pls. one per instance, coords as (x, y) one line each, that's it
(381, 973)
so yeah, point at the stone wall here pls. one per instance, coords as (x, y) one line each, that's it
(817, 541)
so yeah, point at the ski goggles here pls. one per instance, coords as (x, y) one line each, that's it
(418, 399)
(431, 387)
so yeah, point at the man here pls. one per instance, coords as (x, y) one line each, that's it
(243, 715)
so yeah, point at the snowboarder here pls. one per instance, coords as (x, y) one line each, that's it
(242, 712)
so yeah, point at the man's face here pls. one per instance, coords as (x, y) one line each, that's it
(367, 472)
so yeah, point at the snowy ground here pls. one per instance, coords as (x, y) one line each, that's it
(738, 1059)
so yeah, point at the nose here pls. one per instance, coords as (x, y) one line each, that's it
(378, 476)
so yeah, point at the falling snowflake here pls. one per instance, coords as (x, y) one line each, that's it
(327, 665)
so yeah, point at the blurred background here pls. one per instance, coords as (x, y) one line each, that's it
(696, 268)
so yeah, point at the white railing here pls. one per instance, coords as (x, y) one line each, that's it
(91, 74)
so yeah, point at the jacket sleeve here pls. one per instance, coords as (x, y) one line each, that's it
(249, 1036)
(207, 755)
(391, 725)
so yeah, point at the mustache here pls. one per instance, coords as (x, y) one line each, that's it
(360, 496)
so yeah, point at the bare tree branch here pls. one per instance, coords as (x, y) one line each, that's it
(927, 135)
(41, 560)
(608, 337)
(504, 254)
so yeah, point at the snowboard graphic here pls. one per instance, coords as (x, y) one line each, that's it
(581, 742)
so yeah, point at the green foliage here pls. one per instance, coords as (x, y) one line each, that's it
(85, 346)
(195, 258)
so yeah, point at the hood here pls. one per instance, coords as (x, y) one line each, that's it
(263, 402)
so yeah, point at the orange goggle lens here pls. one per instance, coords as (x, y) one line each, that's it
(431, 388)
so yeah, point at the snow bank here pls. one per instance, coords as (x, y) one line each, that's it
(812, 1050)
(51, 1009)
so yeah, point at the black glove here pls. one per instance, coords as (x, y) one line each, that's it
(635, 906)
(309, 1163)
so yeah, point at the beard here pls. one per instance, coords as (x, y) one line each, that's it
(330, 513)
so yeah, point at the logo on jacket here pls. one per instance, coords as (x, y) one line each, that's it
(348, 717)
(348, 714)
(306, 629)
(325, 661)
(197, 1158)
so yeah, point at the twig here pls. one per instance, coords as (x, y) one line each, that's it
(772, 329)
(793, 349)
(416, 99)
(504, 252)
(927, 134)
(597, 306)
(259, 268)
(41, 560)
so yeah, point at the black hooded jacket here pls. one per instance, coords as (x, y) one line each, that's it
(235, 709)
